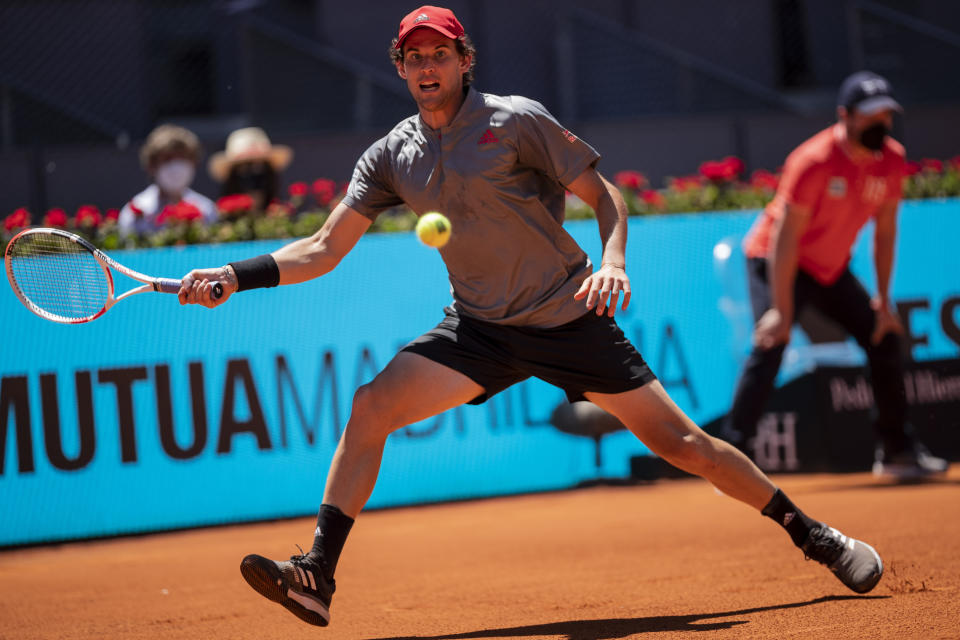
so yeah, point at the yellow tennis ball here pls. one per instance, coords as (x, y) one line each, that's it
(433, 229)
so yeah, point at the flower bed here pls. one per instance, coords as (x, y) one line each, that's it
(718, 185)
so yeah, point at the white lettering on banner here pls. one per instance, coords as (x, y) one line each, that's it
(775, 445)
(929, 388)
(856, 397)
(923, 386)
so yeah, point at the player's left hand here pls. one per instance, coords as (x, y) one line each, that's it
(604, 287)
(886, 321)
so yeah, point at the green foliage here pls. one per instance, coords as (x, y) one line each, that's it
(929, 183)
(717, 187)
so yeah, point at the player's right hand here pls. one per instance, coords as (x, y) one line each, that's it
(197, 286)
(772, 329)
(602, 289)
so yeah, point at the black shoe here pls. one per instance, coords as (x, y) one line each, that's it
(855, 563)
(912, 463)
(298, 585)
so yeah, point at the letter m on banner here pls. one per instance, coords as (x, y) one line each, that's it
(327, 378)
(14, 400)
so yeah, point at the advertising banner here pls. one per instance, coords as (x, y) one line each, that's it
(158, 416)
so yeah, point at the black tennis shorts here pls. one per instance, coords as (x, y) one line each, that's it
(589, 354)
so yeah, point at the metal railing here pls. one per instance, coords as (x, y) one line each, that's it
(913, 53)
(922, 27)
(678, 82)
(98, 125)
(366, 81)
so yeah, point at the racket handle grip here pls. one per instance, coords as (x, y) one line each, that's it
(169, 285)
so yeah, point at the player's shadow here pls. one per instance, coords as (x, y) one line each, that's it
(613, 628)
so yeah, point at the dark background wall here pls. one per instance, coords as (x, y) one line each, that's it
(655, 86)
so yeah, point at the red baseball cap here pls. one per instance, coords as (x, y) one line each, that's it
(436, 18)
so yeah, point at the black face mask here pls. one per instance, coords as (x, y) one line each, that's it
(872, 137)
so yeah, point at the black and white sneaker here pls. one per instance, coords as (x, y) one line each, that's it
(913, 463)
(298, 585)
(855, 563)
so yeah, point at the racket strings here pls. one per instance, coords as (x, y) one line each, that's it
(57, 275)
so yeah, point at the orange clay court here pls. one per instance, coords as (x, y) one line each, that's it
(671, 559)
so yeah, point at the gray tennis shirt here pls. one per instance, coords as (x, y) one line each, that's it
(498, 173)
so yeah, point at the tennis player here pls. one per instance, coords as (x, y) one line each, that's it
(798, 253)
(526, 302)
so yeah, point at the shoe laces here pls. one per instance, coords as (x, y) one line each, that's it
(300, 559)
(823, 545)
(304, 559)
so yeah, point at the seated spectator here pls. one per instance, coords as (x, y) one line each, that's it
(169, 156)
(250, 165)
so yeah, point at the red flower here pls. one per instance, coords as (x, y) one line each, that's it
(736, 164)
(716, 171)
(187, 212)
(237, 203)
(654, 198)
(113, 214)
(912, 168)
(166, 215)
(179, 212)
(764, 180)
(88, 216)
(931, 164)
(955, 163)
(55, 218)
(279, 209)
(725, 170)
(17, 220)
(685, 183)
(298, 189)
(633, 180)
(324, 191)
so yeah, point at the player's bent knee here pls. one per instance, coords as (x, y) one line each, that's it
(370, 417)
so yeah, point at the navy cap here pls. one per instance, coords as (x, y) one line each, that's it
(868, 93)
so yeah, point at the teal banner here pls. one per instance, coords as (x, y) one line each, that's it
(158, 416)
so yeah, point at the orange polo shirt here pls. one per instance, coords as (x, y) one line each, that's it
(843, 194)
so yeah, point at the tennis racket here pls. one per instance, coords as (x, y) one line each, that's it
(61, 277)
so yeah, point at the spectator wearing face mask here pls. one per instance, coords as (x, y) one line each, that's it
(250, 165)
(170, 157)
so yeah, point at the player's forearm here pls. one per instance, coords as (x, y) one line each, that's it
(312, 257)
(612, 219)
(305, 259)
(782, 270)
(883, 263)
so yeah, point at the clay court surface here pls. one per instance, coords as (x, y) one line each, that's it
(671, 559)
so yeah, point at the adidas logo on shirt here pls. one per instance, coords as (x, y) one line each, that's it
(487, 138)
